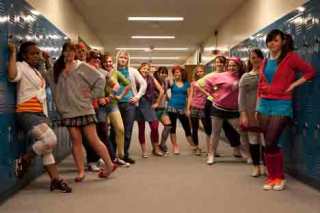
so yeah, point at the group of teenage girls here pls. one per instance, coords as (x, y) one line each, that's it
(99, 100)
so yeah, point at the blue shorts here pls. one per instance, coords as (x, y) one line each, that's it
(275, 107)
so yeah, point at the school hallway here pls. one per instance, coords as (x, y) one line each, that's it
(171, 184)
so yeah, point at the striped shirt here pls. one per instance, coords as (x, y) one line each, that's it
(32, 105)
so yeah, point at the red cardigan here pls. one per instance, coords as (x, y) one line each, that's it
(284, 77)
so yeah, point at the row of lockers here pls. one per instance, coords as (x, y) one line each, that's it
(21, 22)
(301, 141)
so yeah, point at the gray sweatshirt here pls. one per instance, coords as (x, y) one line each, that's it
(75, 92)
(248, 92)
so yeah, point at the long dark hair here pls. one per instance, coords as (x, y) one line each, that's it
(23, 50)
(259, 54)
(287, 45)
(289, 42)
(60, 64)
(157, 73)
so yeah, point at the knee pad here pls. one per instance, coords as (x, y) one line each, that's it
(46, 140)
(48, 159)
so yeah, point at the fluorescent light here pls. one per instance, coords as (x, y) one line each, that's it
(154, 58)
(35, 12)
(156, 65)
(155, 18)
(171, 49)
(301, 9)
(133, 48)
(153, 37)
(154, 49)
(224, 49)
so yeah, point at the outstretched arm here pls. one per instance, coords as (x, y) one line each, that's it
(12, 64)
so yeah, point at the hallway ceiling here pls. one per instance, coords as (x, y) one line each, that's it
(109, 20)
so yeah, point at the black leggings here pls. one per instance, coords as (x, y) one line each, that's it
(195, 128)
(231, 134)
(183, 120)
(272, 127)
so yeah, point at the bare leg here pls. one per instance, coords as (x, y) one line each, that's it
(97, 145)
(77, 150)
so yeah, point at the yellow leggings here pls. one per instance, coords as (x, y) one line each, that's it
(116, 123)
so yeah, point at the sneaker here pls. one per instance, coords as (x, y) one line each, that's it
(210, 159)
(92, 167)
(121, 162)
(100, 163)
(268, 185)
(279, 184)
(129, 160)
(60, 185)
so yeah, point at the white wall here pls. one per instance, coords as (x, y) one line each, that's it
(251, 17)
(64, 15)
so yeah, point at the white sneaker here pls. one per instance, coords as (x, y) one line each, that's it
(122, 163)
(100, 162)
(279, 184)
(210, 159)
(268, 184)
(92, 167)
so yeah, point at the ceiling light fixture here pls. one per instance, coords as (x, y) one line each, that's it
(301, 9)
(156, 65)
(155, 18)
(155, 49)
(154, 58)
(171, 49)
(152, 37)
(208, 49)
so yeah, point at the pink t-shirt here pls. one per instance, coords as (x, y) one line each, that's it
(224, 88)
(198, 97)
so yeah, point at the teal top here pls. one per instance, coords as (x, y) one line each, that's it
(179, 95)
(129, 95)
(270, 69)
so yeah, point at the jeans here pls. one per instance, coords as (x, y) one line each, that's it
(128, 114)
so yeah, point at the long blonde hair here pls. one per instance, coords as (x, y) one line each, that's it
(194, 76)
(117, 57)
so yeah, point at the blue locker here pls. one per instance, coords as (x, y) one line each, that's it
(301, 142)
(21, 23)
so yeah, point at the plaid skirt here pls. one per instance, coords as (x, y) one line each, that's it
(80, 121)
